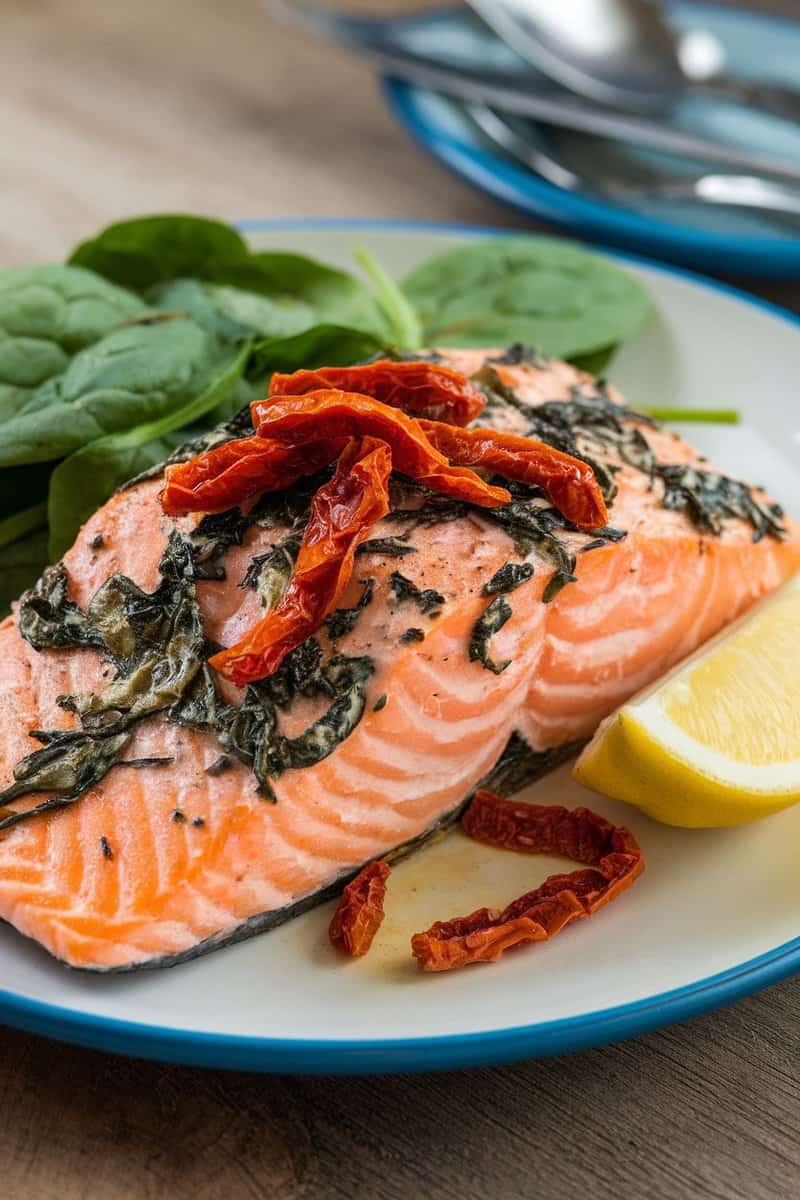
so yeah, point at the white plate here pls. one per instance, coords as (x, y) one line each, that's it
(716, 914)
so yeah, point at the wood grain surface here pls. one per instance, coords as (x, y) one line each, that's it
(110, 109)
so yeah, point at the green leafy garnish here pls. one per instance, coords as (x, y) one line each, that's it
(151, 251)
(711, 416)
(81, 483)
(554, 294)
(404, 324)
(137, 374)
(47, 314)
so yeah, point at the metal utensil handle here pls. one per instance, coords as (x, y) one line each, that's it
(553, 108)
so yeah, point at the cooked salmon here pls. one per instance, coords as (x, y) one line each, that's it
(166, 859)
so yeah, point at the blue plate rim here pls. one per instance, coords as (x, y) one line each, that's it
(522, 190)
(449, 1051)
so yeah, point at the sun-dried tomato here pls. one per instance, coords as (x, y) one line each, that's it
(342, 513)
(236, 471)
(420, 388)
(614, 861)
(360, 913)
(570, 483)
(333, 415)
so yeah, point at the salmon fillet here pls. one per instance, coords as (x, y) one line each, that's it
(156, 864)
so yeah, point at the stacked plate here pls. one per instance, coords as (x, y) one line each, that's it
(757, 47)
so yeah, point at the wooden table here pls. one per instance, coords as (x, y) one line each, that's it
(113, 109)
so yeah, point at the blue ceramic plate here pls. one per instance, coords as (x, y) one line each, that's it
(704, 236)
(681, 942)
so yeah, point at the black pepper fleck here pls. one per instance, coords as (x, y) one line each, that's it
(179, 817)
(380, 703)
(104, 846)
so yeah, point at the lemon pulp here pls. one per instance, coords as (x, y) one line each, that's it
(718, 741)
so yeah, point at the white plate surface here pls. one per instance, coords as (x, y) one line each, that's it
(714, 915)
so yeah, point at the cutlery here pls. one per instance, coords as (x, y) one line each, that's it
(739, 191)
(378, 41)
(623, 53)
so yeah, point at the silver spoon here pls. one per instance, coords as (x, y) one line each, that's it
(623, 53)
(380, 42)
(738, 191)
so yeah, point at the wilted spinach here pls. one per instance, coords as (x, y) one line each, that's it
(491, 620)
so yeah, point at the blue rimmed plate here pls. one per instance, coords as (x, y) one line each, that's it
(682, 941)
(701, 236)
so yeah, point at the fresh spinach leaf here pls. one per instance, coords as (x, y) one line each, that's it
(554, 294)
(323, 345)
(331, 295)
(230, 313)
(133, 376)
(148, 250)
(145, 252)
(81, 483)
(47, 314)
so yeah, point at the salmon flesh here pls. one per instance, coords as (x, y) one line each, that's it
(463, 634)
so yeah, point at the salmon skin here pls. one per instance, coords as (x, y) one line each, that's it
(475, 631)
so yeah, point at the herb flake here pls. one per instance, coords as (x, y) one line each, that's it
(507, 578)
(491, 620)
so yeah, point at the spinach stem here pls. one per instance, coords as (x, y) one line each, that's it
(401, 315)
(711, 416)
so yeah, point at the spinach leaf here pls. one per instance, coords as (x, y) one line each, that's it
(47, 313)
(508, 578)
(402, 319)
(229, 313)
(20, 487)
(147, 250)
(331, 295)
(491, 620)
(555, 294)
(134, 376)
(343, 620)
(154, 250)
(323, 345)
(81, 483)
(21, 564)
(428, 599)
(21, 523)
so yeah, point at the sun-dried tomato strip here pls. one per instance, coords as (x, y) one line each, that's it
(236, 471)
(576, 833)
(613, 854)
(342, 513)
(360, 913)
(333, 415)
(420, 388)
(570, 483)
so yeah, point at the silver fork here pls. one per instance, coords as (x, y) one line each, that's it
(739, 191)
(522, 93)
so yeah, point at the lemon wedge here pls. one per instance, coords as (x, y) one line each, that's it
(717, 740)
